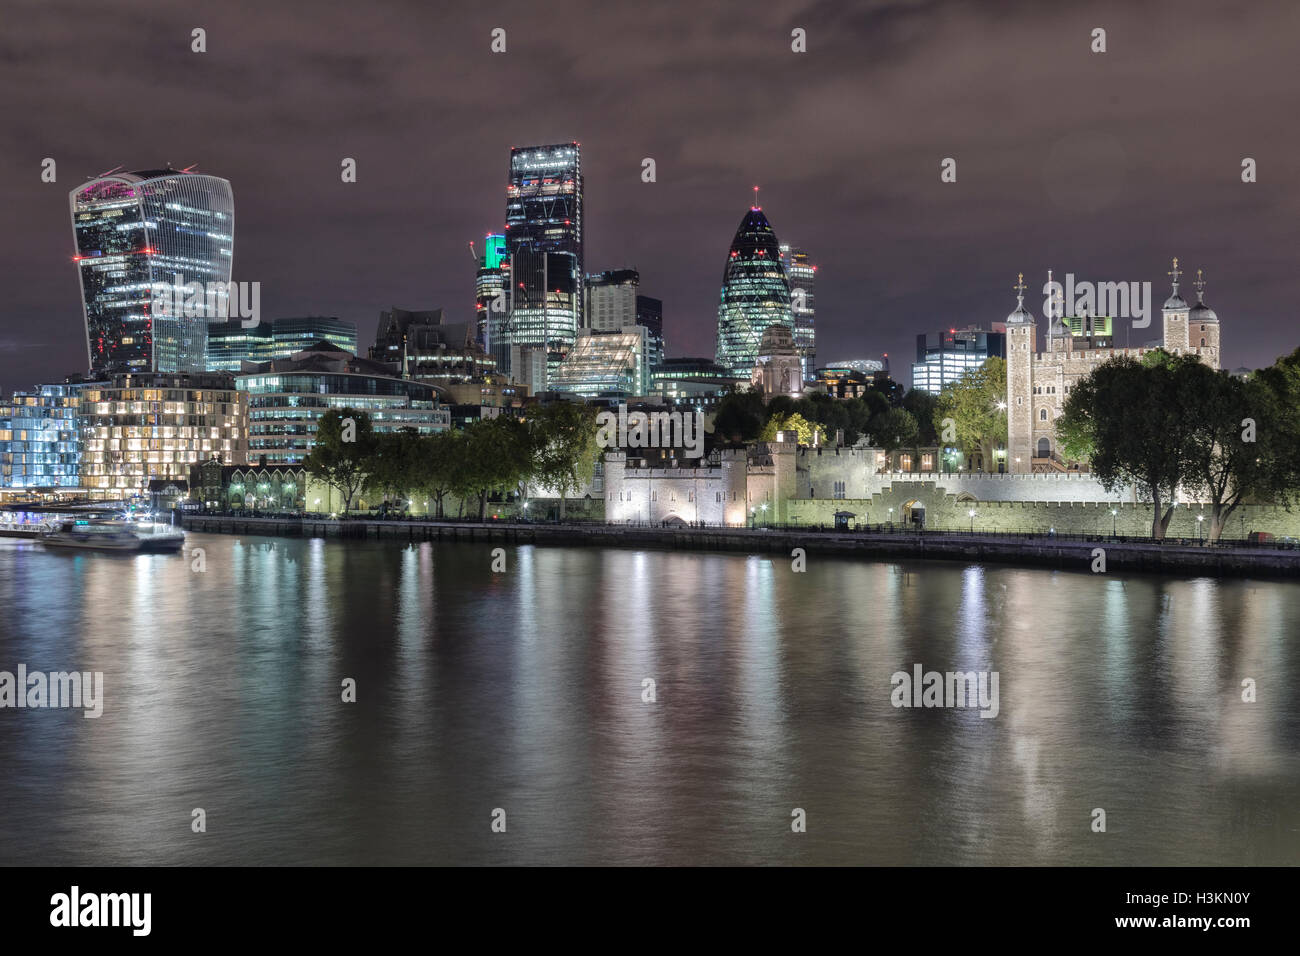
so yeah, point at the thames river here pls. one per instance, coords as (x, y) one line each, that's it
(638, 707)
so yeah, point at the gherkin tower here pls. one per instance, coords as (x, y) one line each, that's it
(755, 293)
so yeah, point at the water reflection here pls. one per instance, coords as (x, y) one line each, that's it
(528, 690)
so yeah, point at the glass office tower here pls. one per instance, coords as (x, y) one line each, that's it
(136, 233)
(40, 444)
(544, 239)
(802, 275)
(755, 293)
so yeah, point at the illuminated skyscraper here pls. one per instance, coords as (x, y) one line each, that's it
(492, 292)
(802, 276)
(544, 240)
(135, 232)
(755, 293)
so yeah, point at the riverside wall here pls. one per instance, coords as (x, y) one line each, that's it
(1077, 555)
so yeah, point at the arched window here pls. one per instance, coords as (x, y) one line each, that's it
(1042, 414)
(1044, 448)
(1202, 341)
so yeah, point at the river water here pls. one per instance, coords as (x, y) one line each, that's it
(520, 696)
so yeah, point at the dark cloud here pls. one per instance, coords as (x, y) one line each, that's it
(1104, 165)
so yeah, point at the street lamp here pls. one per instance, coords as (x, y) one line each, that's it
(891, 518)
(1114, 521)
(972, 520)
(1199, 519)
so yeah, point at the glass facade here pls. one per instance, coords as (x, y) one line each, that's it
(39, 439)
(947, 356)
(755, 294)
(230, 344)
(544, 223)
(284, 408)
(135, 232)
(492, 279)
(802, 275)
(606, 363)
(138, 428)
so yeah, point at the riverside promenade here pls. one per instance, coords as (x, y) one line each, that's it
(1078, 553)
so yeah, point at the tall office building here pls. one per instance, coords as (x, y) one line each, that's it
(544, 239)
(491, 291)
(137, 234)
(650, 314)
(230, 344)
(755, 293)
(802, 275)
(40, 441)
(611, 299)
(947, 356)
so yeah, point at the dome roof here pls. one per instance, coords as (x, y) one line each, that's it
(1021, 316)
(1202, 313)
(1175, 303)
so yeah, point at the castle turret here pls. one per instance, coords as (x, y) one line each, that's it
(1203, 326)
(1022, 346)
(1175, 317)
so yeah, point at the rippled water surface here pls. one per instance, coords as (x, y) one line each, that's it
(523, 691)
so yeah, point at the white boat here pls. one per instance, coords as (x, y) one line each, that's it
(115, 536)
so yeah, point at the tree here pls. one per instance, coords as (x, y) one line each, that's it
(894, 429)
(739, 417)
(394, 465)
(496, 455)
(1231, 423)
(1135, 422)
(793, 422)
(564, 448)
(976, 407)
(343, 452)
(437, 462)
(1278, 392)
(921, 405)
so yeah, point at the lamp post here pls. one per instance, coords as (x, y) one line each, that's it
(972, 520)
(1114, 521)
(1199, 519)
(891, 519)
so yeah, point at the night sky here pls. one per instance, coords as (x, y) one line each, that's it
(1105, 165)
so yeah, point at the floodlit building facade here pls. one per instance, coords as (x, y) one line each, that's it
(138, 428)
(944, 357)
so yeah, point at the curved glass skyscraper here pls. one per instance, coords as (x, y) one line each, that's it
(755, 293)
(136, 232)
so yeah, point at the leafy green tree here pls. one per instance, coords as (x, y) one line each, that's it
(1136, 424)
(921, 405)
(1231, 425)
(343, 453)
(739, 417)
(496, 455)
(1279, 396)
(564, 447)
(393, 468)
(436, 465)
(793, 422)
(976, 406)
(893, 430)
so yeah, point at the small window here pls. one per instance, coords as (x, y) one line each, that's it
(1042, 414)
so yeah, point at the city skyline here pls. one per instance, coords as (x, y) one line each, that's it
(1096, 196)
